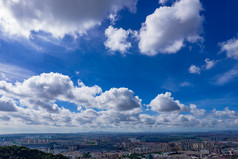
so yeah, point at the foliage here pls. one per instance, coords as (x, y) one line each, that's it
(234, 157)
(134, 156)
(21, 152)
(86, 155)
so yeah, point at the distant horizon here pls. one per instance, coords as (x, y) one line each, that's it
(107, 132)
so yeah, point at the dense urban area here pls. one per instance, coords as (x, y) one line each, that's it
(131, 145)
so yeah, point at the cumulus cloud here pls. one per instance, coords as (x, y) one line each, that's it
(4, 118)
(231, 48)
(117, 39)
(166, 103)
(121, 99)
(7, 104)
(147, 119)
(166, 30)
(87, 116)
(43, 91)
(194, 69)
(209, 64)
(171, 120)
(226, 112)
(195, 111)
(33, 102)
(19, 18)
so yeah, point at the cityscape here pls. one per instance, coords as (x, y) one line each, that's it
(99, 145)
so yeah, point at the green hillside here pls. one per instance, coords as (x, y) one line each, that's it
(21, 152)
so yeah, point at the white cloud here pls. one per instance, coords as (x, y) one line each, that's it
(7, 104)
(166, 103)
(34, 103)
(163, 1)
(185, 84)
(172, 120)
(3, 77)
(195, 111)
(209, 64)
(43, 91)
(187, 120)
(87, 116)
(4, 118)
(194, 69)
(231, 48)
(226, 112)
(121, 99)
(117, 118)
(147, 119)
(117, 39)
(10, 72)
(227, 76)
(166, 30)
(113, 18)
(58, 17)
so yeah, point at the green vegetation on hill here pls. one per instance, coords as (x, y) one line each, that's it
(21, 152)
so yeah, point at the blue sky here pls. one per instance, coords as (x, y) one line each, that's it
(119, 65)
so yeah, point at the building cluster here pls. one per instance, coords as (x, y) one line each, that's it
(127, 146)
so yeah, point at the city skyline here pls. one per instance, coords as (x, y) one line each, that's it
(118, 66)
